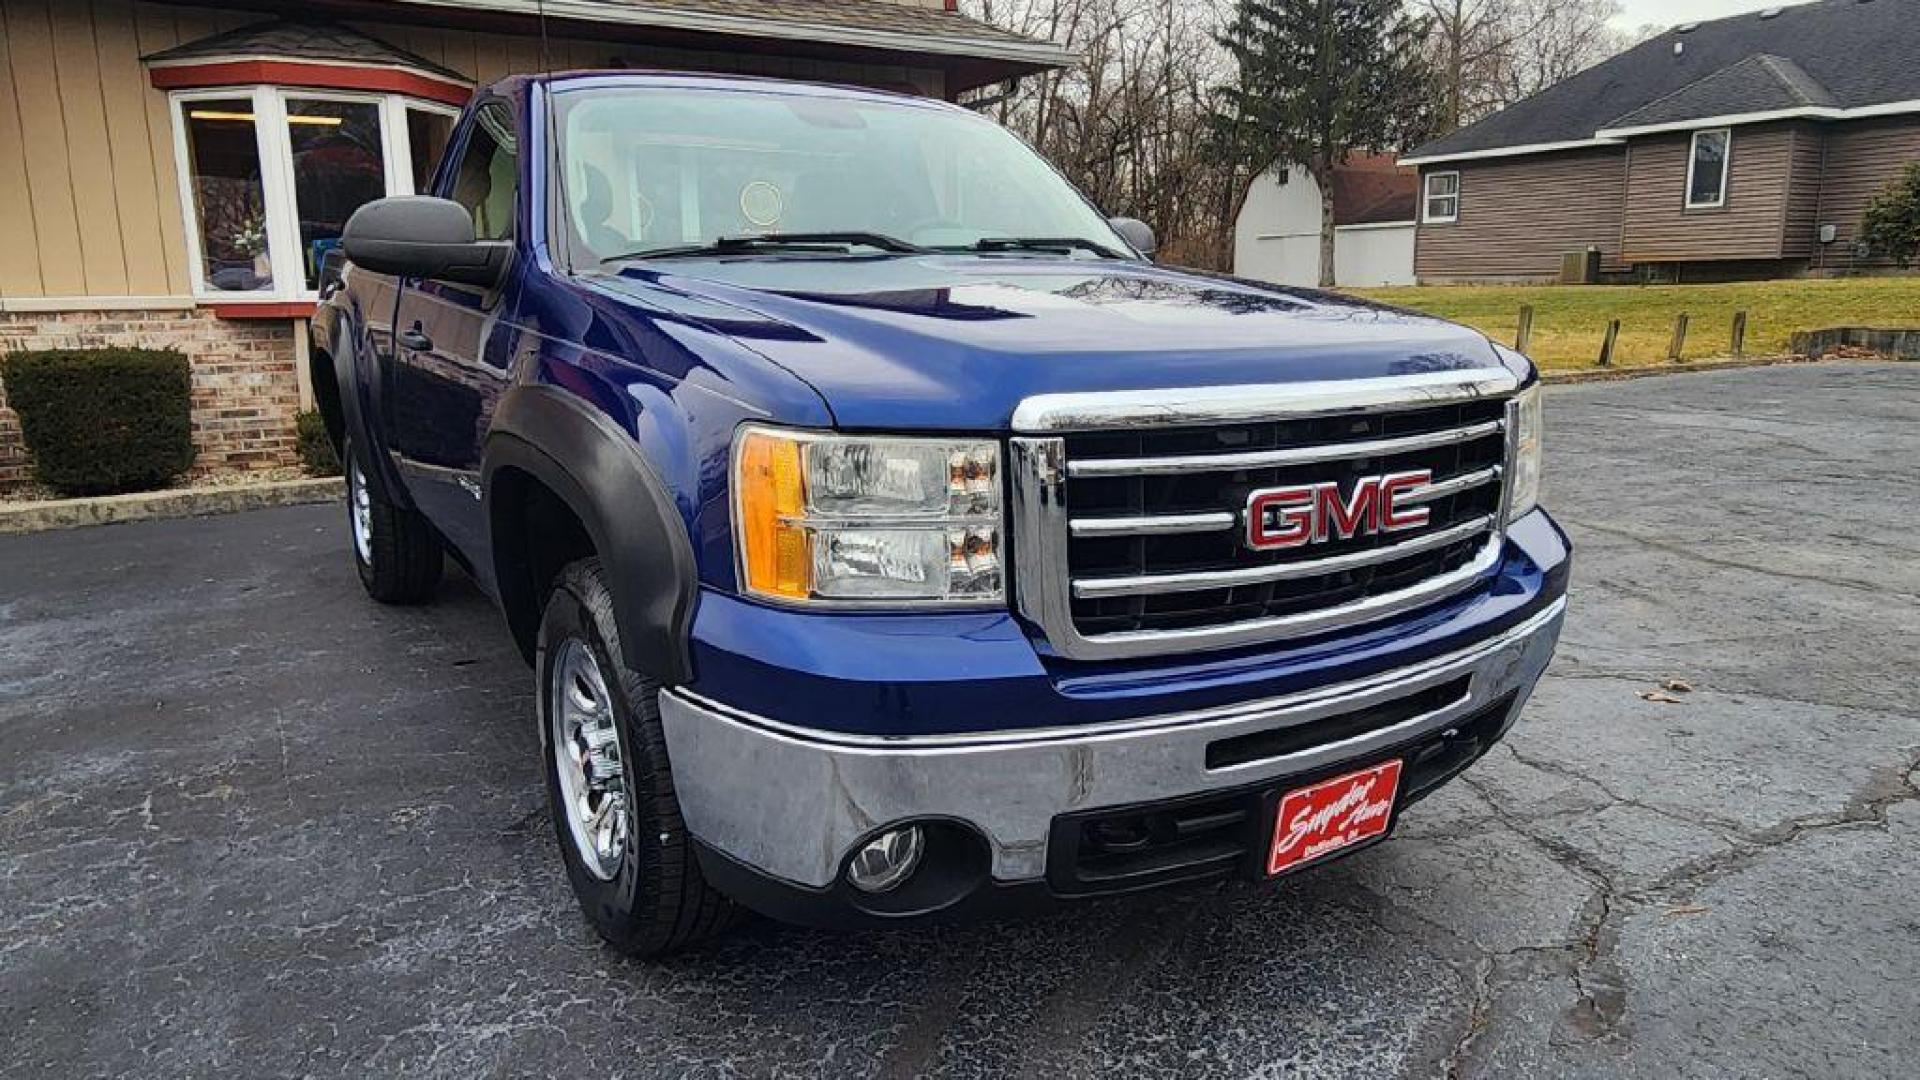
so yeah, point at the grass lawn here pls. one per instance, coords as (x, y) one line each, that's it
(1569, 321)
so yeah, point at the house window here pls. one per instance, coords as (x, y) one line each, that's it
(269, 176)
(227, 195)
(339, 165)
(1707, 168)
(428, 132)
(1442, 203)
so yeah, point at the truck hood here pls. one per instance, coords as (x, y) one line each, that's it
(955, 342)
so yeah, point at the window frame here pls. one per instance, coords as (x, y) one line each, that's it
(277, 187)
(1693, 161)
(1427, 216)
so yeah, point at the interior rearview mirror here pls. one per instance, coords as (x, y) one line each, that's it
(1135, 232)
(421, 236)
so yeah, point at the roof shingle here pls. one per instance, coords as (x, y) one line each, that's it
(297, 40)
(1834, 53)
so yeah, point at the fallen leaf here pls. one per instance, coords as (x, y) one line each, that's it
(1659, 696)
(1678, 686)
(1686, 909)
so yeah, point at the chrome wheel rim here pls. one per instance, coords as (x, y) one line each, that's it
(360, 503)
(586, 757)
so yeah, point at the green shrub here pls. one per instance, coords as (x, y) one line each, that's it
(316, 449)
(102, 421)
(1891, 224)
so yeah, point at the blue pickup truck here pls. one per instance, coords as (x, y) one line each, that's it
(890, 538)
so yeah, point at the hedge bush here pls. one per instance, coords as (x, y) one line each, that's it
(103, 421)
(1891, 224)
(316, 449)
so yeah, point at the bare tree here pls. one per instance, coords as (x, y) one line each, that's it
(1128, 124)
(1470, 42)
(1563, 38)
(1489, 54)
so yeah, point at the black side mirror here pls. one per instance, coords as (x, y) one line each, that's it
(1135, 232)
(421, 236)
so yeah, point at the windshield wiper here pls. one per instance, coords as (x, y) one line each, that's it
(1044, 243)
(726, 245)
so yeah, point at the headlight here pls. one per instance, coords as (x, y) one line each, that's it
(862, 519)
(1523, 482)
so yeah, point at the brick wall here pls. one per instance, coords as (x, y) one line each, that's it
(245, 390)
(13, 455)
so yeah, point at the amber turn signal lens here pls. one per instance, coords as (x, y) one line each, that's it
(775, 552)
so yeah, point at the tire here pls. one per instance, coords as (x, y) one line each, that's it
(397, 553)
(640, 886)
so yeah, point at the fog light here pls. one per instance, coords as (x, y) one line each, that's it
(886, 860)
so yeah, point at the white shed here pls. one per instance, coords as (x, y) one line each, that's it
(1277, 236)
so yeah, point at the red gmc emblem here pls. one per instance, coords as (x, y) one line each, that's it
(1289, 517)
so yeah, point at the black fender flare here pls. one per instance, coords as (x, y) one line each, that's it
(597, 470)
(338, 331)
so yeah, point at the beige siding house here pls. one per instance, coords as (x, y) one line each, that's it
(171, 173)
(1746, 147)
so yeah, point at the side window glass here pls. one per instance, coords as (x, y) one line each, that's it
(485, 181)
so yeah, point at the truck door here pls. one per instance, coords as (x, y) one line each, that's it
(452, 345)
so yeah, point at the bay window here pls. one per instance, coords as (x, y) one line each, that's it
(269, 176)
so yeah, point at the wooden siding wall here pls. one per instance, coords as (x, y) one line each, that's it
(1659, 227)
(89, 201)
(1862, 157)
(1519, 216)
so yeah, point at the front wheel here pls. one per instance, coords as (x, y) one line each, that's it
(396, 552)
(627, 852)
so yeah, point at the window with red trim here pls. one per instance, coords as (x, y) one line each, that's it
(270, 174)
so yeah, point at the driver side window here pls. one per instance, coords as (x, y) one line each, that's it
(488, 175)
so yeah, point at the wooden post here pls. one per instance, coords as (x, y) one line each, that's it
(1739, 333)
(1606, 344)
(1679, 342)
(1525, 335)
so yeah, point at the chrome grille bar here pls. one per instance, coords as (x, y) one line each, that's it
(1227, 635)
(1453, 485)
(1151, 584)
(1157, 525)
(1051, 414)
(1266, 459)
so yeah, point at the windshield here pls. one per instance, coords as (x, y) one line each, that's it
(653, 169)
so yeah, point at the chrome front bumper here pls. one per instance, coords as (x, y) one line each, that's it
(791, 802)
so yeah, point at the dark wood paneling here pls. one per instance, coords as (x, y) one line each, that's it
(1519, 215)
(1749, 225)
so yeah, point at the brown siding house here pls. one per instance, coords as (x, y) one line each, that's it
(1749, 223)
(1861, 156)
(1743, 147)
(1518, 216)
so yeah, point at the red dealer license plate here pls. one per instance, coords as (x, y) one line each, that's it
(1333, 815)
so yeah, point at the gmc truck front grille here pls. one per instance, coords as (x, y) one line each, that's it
(1130, 522)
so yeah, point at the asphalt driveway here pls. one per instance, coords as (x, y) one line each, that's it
(252, 824)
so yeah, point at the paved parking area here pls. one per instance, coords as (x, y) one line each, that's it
(251, 824)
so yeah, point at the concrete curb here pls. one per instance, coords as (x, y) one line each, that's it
(159, 505)
(1689, 367)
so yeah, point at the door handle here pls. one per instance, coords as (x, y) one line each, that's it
(416, 340)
